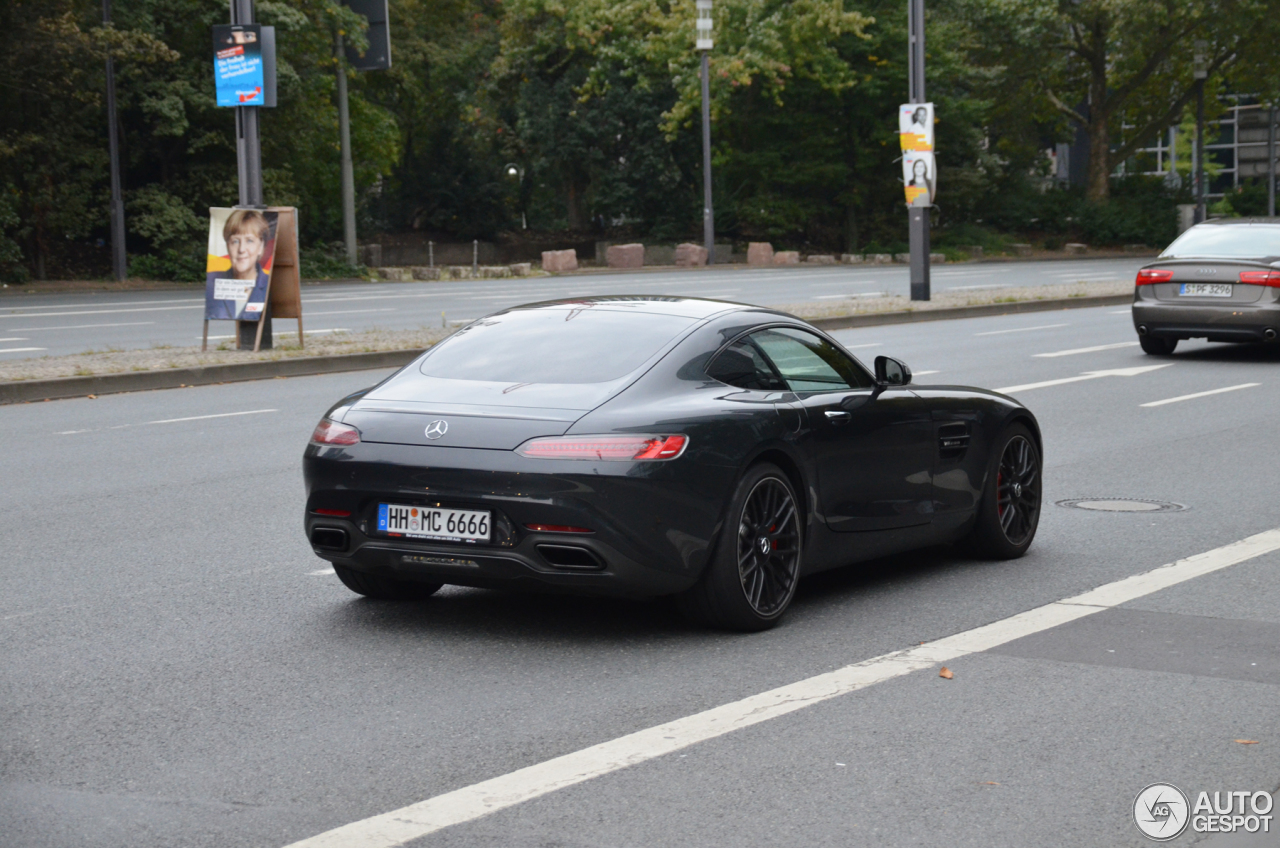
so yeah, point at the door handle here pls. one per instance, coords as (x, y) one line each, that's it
(836, 416)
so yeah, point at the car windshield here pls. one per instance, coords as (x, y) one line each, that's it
(1247, 241)
(573, 344)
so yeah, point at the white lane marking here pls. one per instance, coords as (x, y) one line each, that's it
(320, 573)
(858, 347)
(478, 800)
(100, 312)
(1021, 329)
(1126, 311)
(923, 373)
(978, 288)
(203, 417)
(1088, 375)
(830, 296)
(305, 332)
(1093, 349)
(1200, 394)
(14, 339)
(351, 311)
(88, 326)
(19, 349)
(18, 309)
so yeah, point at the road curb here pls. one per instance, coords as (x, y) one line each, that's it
(876, 319)
(26, 391)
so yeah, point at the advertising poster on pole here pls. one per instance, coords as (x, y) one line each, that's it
(915, 127)
(237, 65)
(242, 245)
(919, 177)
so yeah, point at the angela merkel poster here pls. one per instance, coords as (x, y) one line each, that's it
(242, 245)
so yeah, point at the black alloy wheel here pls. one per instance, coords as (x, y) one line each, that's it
(752, 575)
(769, 547)
(1009, 511)
(1018, 490)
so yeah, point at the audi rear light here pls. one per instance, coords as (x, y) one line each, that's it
(556, 528)
(330, 432)
(610, 448)
(1261, 278)
(1147, 276)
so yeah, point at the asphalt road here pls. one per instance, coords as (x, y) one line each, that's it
(180, 670)
(50, 325)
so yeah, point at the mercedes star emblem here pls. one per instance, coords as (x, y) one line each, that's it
(437, 428)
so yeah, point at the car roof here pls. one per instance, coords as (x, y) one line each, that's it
(1235, 222)
(686, 307)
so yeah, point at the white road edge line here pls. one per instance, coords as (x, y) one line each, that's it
(1200, 394)
(87, 326)
(923, 373)
(1021, 330)
(473, 802)
(1094, 349)
(203, 417)
(19, 349)
(14, 339)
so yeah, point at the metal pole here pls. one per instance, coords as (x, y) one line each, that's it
(248, 143)
(708, 210)
(917, 217)
(1202, 211)
(119, 259)
(348, 175)
(1271, 162)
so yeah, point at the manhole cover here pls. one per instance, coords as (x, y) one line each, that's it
(1122, 505)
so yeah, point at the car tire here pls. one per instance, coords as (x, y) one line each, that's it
(1157, 347)
(384, 588)
(754, 568)
(1009, 509)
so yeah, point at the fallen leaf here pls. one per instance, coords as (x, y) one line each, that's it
(1247, 741)
(989, 783)
(946, 672)
(93, 397)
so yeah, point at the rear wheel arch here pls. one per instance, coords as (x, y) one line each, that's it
(784, 461)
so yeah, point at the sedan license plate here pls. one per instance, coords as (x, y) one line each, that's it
(1205, 290)
(444, 525)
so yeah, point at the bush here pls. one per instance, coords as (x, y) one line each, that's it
(180, 266)
(328, 261)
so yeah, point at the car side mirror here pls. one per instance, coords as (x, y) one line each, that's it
(892, 372)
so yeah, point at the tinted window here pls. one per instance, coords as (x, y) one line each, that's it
(742, 365)
(809, 363)
(1243, 240)
(570, 345)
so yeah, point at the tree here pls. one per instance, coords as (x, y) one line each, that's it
(1120, 69)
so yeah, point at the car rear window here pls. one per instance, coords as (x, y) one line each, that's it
(554, 345)
(1246, 241)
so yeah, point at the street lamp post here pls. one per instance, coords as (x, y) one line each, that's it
(917, 216)
(516, 173)
(1201, 72)
(119, 260)
(704, 44)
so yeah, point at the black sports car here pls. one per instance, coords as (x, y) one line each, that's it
(653, 446)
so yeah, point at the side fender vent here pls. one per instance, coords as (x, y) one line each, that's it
(953, 440)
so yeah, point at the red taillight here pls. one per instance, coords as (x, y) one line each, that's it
(556, 528)
(332, 433)
(336, 513)
(1147, 276)
(617, 448)
(1261, 278)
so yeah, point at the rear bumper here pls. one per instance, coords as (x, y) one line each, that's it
(653, 523)
(1234, 322)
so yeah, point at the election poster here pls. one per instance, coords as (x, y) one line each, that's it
(915, 127)
(242, 245)
(237, 65)
(919, 177)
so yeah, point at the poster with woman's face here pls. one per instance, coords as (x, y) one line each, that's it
(915, 126)
(242, 245)
(918, 177)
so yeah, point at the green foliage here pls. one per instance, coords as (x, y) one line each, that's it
(1247, 200)
(179, 266)
(328, 261)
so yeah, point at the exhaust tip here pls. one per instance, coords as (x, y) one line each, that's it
(329, 538)
(1142, 329)
(1269, 334)
(571, 557)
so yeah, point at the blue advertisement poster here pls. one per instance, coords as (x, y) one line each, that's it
(237, 65)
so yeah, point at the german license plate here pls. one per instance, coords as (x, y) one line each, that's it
(1205, 290)
(437, 524)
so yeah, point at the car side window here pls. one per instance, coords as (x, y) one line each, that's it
(810, 363)
(741, 365)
